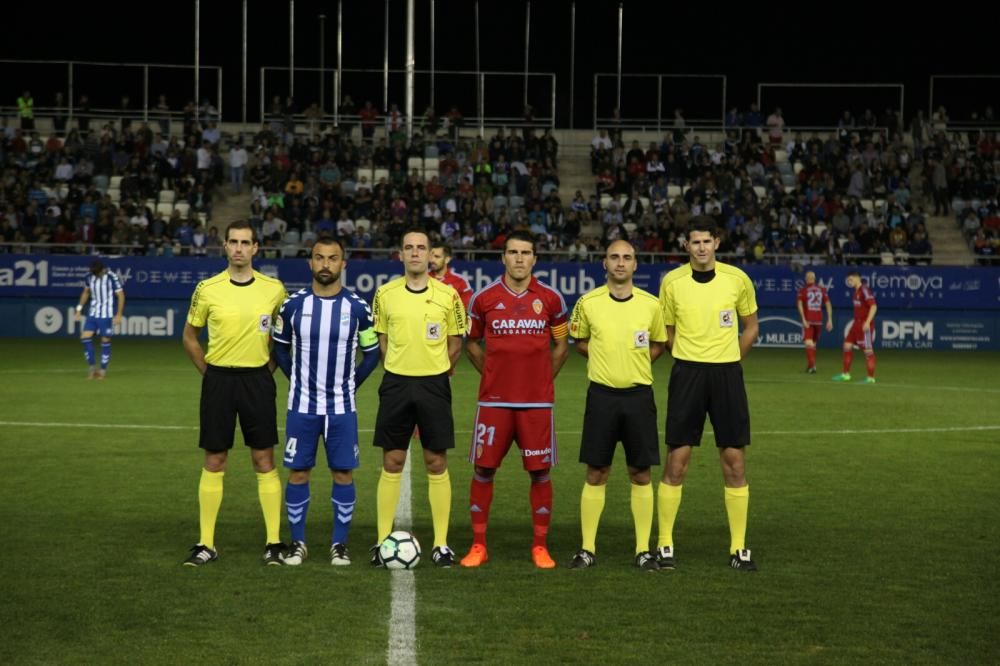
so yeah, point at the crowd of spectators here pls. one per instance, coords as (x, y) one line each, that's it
(842, 196)
(99, 181)
(368, 188)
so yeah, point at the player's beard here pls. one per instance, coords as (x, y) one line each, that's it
(326, 278)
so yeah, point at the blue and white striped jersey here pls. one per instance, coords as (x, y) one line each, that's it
(324, 334)
(102, 294)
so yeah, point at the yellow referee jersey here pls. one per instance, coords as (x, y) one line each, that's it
(619, 333)
(417, 325)
(238, 316)
(706, 314)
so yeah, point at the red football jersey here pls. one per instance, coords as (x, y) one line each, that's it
(459, 284)
(863, 302)
(518, 329)
(813, 297)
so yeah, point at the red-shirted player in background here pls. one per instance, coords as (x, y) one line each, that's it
(862, 333)
(517, 316)
(440, 258)
(810, 301)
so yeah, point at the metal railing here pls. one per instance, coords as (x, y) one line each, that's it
(394, 88)
(77, 69)
(656, 120)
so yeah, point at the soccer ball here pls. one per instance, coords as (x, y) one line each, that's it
(400, 550)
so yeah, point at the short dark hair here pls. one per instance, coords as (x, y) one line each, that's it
(445, 247)
(414, 230)
(520, 235)
(855, 273)
(705, 223)
(242, 224)
(97, 267)
(326, 239)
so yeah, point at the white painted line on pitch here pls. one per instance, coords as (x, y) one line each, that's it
(403, 616)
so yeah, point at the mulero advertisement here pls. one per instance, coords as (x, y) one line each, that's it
(919, 307)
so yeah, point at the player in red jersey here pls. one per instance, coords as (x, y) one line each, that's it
(519, 318)
(862, 333)
(810, 301)
(440, 258)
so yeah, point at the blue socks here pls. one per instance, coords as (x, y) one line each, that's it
(105, 355)
(296, 505)
(343, 498)
(88, 350)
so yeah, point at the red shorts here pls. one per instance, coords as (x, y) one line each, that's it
(811, 332)
(496, 428)
(861, 338)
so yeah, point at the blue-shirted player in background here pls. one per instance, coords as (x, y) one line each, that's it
(107, 302)
(315, 335)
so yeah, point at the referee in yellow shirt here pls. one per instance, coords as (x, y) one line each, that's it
(619, 328)
(420, 323)
(238, 306)
(702, 303)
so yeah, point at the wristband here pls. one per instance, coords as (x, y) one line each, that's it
(79, 308)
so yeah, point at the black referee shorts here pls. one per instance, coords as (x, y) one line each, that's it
(405, 402)
(620, 415)
(244, 392)
(715, 389)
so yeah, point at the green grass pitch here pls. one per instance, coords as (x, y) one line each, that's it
(873, 517)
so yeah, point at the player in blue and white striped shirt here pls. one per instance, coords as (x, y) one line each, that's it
(104, 290)
(316, 334)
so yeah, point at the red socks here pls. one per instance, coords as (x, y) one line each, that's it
(480, 498)
(848, 358)
(541, 508)
(870, 363)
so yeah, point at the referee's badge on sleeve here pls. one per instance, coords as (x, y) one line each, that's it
(265, 324)
(433, 331)
(642, 339)
(726, 319)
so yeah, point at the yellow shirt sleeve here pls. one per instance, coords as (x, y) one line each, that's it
(658, 332)
(579, 327)
(667, 304)
(747, 303)
(198, 312)
(456, 316)
(381, 326)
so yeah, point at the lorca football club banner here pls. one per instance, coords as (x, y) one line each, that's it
(923, 287)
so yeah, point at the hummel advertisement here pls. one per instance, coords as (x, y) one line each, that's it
(894, 329)
(51, 318)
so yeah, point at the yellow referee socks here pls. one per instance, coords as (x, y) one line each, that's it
(668, 502)
(439, 493)
(269, 492)
(388, 498)
(209, 501)
(737, 505)
(642, 515)
(591, 507)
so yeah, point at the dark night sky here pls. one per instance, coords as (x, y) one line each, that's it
(860, 42)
